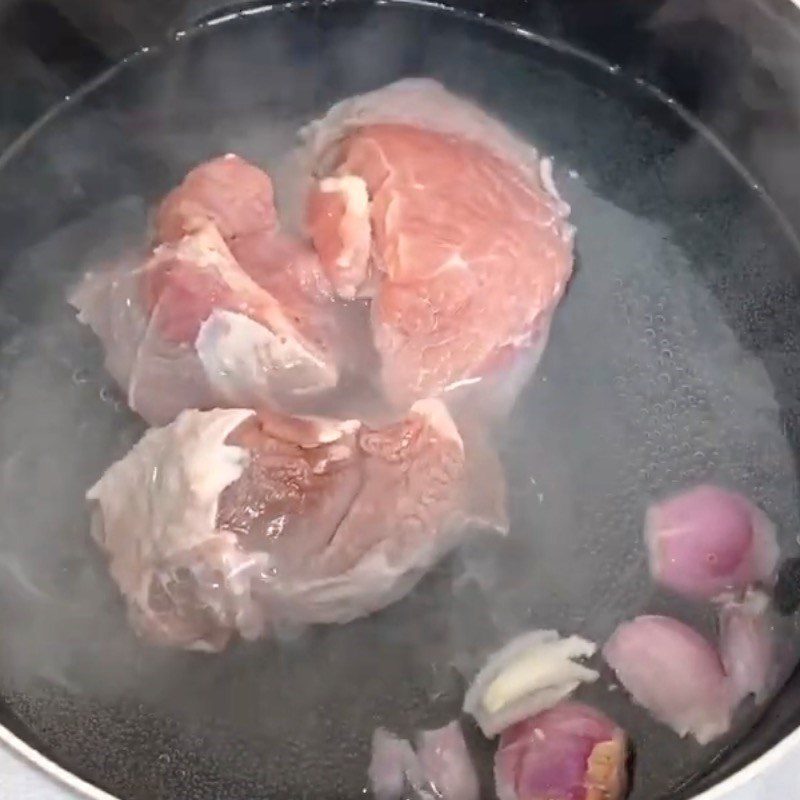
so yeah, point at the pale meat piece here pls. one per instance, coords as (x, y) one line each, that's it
(232, 521)
(208, 320)
(470, 249)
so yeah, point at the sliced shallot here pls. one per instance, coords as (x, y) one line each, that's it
(440, 769)
(529, 675)
(709, 540)
(673, 672)
(446, 765)
(570, 752)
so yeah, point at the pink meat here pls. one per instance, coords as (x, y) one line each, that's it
(229, 192)
(321, 521)
(195, 275)
(217, 316)
(470, 251)
(571, 752)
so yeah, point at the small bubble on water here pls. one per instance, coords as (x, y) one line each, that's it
(107, 395)
(80, 376)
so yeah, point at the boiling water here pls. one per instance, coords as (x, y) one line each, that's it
(671, 361)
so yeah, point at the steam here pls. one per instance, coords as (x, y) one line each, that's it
(755, 105)
(643, 389)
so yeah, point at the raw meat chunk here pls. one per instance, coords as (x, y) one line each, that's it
(234, 521)
(470, 249)
(706, 541)
(673, 672)
(530, 674)
(229, 192)
(195, 327)
(571, 752)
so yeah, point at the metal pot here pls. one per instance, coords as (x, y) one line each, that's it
(679, 112)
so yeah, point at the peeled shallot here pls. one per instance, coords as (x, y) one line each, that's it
(709, 540)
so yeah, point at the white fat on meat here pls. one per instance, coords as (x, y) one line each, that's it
(356, 232)
(242, 359)
(161, 500)
(119, 323)
(532, 673)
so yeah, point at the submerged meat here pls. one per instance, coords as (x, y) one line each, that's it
(234, 521)
(706, 541)
(570, 752)
(226, 311)
(529, 675)
(469, 248)
(673, 672)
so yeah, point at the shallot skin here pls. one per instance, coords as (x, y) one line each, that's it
(570, 752)
(674, 673)
(708, 540)
(747, 647)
